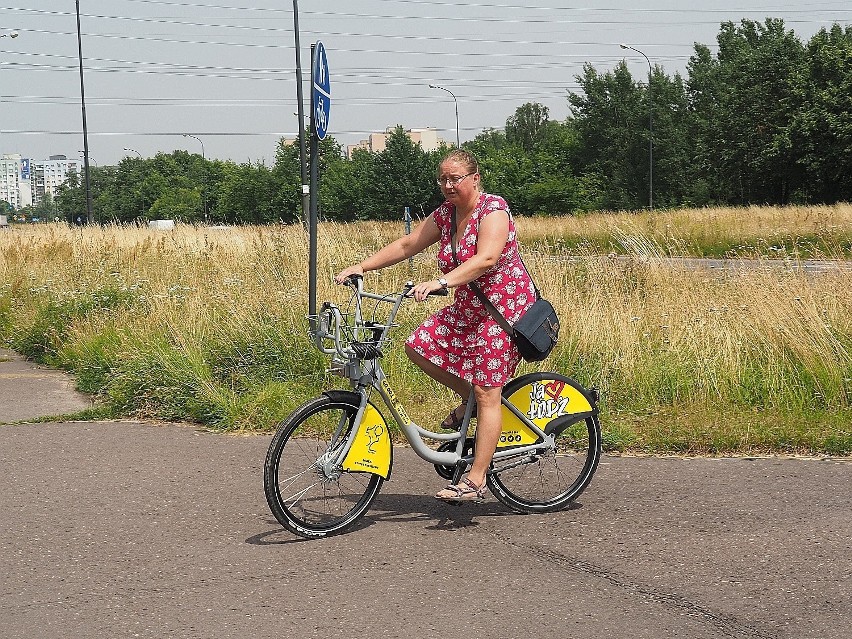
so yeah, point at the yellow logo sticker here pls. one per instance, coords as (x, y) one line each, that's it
(371, 450)
(541, 402)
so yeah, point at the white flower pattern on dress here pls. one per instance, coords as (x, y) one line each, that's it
(463, 338)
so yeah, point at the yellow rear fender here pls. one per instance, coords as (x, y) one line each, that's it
(552, 401)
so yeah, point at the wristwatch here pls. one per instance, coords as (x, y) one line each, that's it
(443, 282)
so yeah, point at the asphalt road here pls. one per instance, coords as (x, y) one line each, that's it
(128, 529)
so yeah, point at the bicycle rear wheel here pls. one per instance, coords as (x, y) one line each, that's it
(551, 479)
(308, 496)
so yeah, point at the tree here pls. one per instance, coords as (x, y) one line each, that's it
(611, 122)
(527, 125)
(745, 100)
(401, 175)
(46, 209)
(344, 188)
(183, 204)
(247, 194)
(822, 127)
(71, 199)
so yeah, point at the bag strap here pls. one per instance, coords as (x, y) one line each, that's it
(489, 306)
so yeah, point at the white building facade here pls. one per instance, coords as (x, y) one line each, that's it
(11, 168)
(25, 182)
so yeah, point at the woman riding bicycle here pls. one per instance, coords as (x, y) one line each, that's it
(462, 346)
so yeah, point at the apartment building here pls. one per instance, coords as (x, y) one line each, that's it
(48, 175)
(25, 182)
(12, 168)
(377, 142)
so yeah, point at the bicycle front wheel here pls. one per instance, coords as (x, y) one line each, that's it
(553, 477)
(309, 496)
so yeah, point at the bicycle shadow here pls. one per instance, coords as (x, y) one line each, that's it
(402, 508)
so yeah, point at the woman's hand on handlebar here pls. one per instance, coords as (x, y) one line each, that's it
(355, 269)
(424, 289)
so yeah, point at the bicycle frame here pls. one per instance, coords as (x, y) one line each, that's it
(357, 359)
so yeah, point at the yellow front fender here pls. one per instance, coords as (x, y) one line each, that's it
(372, 451)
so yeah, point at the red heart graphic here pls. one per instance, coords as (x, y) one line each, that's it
(554, 389)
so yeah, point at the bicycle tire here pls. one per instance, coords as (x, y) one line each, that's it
(552, 480)
(302, 496)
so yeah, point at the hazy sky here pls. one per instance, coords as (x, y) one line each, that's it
(224, 70)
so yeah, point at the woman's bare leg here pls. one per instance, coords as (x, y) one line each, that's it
(489, 425)
(489, 413)
(437, 373)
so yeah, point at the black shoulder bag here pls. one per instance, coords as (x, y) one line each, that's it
(535, 334)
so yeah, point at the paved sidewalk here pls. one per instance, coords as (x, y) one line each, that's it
(30, 391)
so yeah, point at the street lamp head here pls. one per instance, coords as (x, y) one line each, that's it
(623, 46)
(14, 34)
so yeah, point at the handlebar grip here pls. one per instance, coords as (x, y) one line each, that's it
(441, 292)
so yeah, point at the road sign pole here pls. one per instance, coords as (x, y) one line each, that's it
(312, 217)
(320, 109)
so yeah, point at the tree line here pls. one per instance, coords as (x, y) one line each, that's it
(767, 119)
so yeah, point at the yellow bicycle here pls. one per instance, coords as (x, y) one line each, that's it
(327, 461)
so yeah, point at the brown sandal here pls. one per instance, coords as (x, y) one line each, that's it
(453, 421)
(465, 490)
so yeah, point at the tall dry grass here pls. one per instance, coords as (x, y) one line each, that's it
(208, 324)
(797, 232)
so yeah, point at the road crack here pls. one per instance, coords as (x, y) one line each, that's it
(727, 625)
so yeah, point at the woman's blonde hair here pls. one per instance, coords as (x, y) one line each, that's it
(463, 157)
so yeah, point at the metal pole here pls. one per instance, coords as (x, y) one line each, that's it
(650, 128)
(89, 214)
(312, 207)
(303, 166)
(407, 218)
(204, 181)
(435, 86)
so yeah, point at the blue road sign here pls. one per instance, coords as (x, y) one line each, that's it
(321, 94)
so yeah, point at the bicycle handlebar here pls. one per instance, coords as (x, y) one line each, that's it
(330, 325)
(356, 281)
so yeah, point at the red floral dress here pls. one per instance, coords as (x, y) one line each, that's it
(463, 338)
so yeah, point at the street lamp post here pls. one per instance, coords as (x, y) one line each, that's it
(650, 128)
(134, 151)
(91, 159)
(89, 215)
(204, 184)
(303, 154)
(435, 86)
